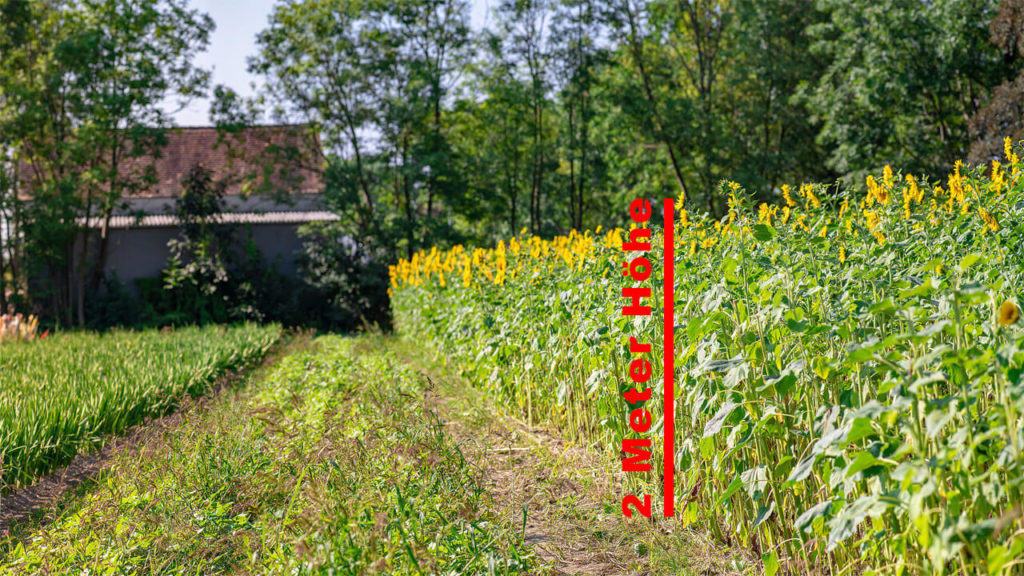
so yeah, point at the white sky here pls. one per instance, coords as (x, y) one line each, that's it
(234, 40)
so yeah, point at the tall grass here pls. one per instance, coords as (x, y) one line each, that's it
(61, 395)
(849, 369)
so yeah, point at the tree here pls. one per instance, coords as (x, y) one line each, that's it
(85, 89)
(771, 140)
(373, 77)
(576, 30)
(523, 29)
(672, 54)
(196, 277)
(492, 137)
(903, 77)
(1003, 115)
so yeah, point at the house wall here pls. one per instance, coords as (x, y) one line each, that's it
(142, 252)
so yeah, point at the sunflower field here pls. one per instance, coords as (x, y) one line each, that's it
(849, 364)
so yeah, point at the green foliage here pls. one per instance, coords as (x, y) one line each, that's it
(82, 86)
(343, 287)
(64, 394)
(197, 271)
(382, 68)
(849, 382)
(902, 80)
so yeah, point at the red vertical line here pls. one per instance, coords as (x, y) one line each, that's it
(669, 389)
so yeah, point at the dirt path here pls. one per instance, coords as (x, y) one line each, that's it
(571, 519)
(566, 497)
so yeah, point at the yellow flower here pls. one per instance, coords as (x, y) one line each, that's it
(1008, 313)
(842, 255)
(911, 194)
(990, 220)
(1011, 156)
(957, 194)
(876, 192)
(785, 194)
(808, 193)
(872, 219)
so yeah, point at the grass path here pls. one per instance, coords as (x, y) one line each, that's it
(352, 456)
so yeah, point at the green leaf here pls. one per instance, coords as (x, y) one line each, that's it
(714, 426)
(755, 480)
(729, 266)
(969, 260)
(845, 524)
(771, 563)
(802, 470)
(884, 307)
(733, 488)
(597, 377)
(782, 384)
(863, 461)
(998, 557)
(763, 514)
(860, 428)
(936, 420)
(763, 232)
(803, 521)
(821, 367)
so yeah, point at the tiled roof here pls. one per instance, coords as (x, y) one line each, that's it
(244, 153)
(169, 220)
(291, 152)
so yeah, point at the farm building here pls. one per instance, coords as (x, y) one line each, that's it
(267, 206)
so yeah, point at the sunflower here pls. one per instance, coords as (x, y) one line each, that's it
(1008, 313)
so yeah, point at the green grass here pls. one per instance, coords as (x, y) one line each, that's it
(62, 395)
(328, 463)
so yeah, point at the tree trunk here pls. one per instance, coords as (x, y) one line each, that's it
(572, 168)
(3, 281)
(514, 187)
(409, 226)
(637, 50)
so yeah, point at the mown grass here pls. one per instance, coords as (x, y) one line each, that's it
(62, 395)
(850, 369)
(327, 463)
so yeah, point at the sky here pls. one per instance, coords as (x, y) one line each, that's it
(234, 40)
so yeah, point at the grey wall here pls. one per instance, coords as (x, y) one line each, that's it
(138, 253)
(143, 252)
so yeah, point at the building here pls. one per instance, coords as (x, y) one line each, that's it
(264, 201)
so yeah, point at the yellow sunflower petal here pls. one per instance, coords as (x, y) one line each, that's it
(1008, 313)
